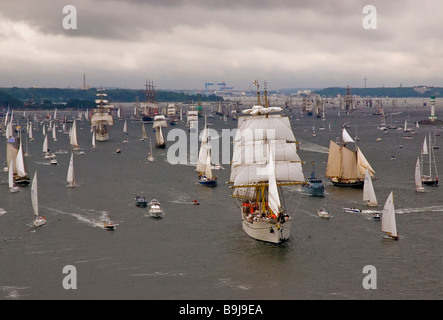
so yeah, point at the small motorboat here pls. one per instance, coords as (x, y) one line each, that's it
(376, 217)
(39, 221)
(352, 210)
(154, 209)
(53, 161)
(141, 202)
(195, 203)
(109, 225)
(323, 213)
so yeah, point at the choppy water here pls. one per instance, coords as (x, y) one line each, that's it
(201, 252)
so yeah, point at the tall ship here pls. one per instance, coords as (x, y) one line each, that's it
(346, 167)
(101, 118)
(149, 108)
(264, 159)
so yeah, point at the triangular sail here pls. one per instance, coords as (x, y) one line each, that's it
(20, 162)
(34, 195)
(368, 191)
(273, 196)
(346, 137)
(417, 176)
(70, 177)
(388, 218)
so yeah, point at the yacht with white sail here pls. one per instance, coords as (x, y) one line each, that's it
(388, 223)
(39, 220)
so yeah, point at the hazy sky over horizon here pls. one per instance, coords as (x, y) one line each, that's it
(183, 44)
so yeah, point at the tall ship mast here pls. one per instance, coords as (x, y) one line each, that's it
(264, 159)
(102, 116)
(149, 108)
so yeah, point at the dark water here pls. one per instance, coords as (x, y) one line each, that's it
(201, 252)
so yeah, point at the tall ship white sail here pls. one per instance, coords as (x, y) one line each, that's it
(264, 158)
(101, 118)
(346, 167)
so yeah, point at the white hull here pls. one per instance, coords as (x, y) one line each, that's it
(267, 231)
(102, 137)
(39, 222)
(156, 213)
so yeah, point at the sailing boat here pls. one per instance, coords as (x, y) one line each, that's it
(346, 168)
(264, 158)
(70, 177)
(12, 186)
(368, 191)
(388, 223)
(159, 122)
(102, 118)
(39, 220)
(93, 140)
(144, 135)
(73, 136)
(417, 177)
(204, 169)
(429, 180)
(150, 156)
(125, 128)
(14, 152)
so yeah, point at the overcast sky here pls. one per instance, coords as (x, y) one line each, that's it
(183, 44)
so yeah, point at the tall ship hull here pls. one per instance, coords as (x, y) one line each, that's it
(101, 133)
(274, 232)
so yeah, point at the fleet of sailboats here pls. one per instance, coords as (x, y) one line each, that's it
(256, 177)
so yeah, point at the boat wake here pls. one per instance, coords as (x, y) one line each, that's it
(2, 212)
(410, 210)
(92, 218)
(309, 146)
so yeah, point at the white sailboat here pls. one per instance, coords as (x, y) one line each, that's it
(144, 135)
(12, 186)
(368, 191)
(70, 178)
(39, 220)
(159, 123)
(204, 167)
(54, 133)
(93, 140)
(125, 127)
(264, 158)
(388, 223)
(431, 179)
(73, 136)
(417, 177)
